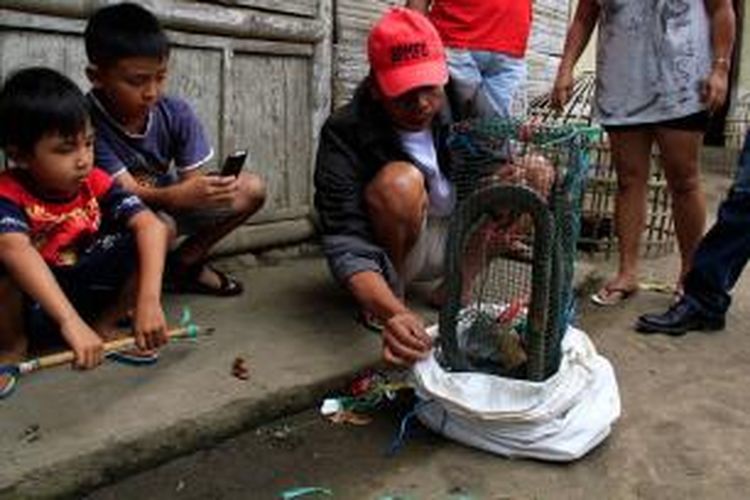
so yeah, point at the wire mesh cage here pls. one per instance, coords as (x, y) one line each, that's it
(737, 125)
(511, 246)
(598, 212)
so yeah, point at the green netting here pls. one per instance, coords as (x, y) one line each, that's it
(512, 245)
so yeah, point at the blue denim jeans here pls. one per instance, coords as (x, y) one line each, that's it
(485, 82)
(725, 249)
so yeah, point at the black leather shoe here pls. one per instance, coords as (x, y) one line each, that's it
(679, 319)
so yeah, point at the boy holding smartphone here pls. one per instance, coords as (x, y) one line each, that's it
(154, 145)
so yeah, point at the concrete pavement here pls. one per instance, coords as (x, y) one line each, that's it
(294, 327)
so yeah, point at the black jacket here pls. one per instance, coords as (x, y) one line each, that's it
(355, 143)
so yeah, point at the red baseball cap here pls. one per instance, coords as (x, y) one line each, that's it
(406, 52)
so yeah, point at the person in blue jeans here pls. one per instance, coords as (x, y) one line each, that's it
(718, 262)
(485, 43)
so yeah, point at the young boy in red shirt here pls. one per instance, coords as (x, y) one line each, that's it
(68, 234)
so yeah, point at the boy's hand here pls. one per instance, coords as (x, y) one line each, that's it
(149, 325)
(86, 344)
(405, 340)
(206, 190)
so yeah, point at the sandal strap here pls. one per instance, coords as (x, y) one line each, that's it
(186, 279)
(227, 284)
(9, 386)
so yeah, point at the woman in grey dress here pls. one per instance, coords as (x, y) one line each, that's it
(661, 70)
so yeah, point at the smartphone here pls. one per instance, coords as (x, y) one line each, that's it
(233, 163)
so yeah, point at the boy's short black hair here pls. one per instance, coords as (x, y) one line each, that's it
(124, 30)
(35, 102)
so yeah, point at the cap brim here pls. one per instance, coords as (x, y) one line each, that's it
(398, 81)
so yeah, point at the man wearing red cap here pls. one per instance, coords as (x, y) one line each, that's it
(486, 42)
(382, 191)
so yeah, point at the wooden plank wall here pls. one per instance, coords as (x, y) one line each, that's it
(353, 19)
(307, 8)
(546, 44)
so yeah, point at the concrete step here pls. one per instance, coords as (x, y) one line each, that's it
(293, 326)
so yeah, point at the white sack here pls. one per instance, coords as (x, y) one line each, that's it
(559, 419)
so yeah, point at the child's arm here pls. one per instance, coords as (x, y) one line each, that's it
(33, 276)
(151, 237)
(193, 190)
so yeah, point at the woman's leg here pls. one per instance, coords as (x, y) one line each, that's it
(631, 157)
(680, 152)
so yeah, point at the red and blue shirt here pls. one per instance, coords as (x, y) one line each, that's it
(62, 229)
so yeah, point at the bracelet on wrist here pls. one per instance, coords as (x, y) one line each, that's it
(722, 62)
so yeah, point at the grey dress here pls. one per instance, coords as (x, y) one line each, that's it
(652, 58)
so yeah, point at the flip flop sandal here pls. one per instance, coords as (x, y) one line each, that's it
(607, 297)
(134, 357)
(369, 321)
(228, 286)
(187, 282)
(8, 387)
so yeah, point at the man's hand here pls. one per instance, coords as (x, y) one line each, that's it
(86, 344)
(205, 191)
(149, 325)
(405, 340)
(714, 91)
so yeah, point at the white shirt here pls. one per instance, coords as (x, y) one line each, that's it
(420, 146)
